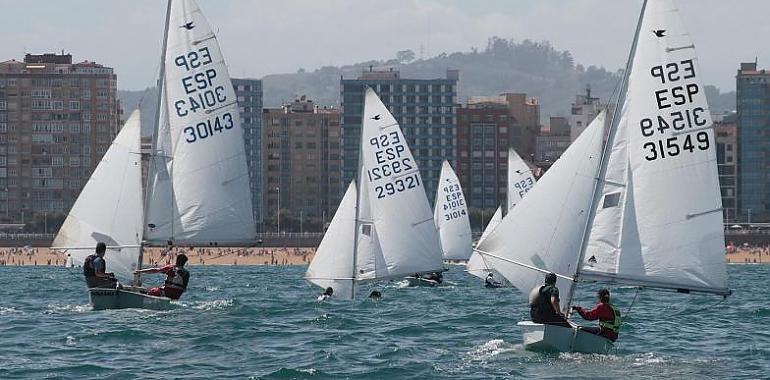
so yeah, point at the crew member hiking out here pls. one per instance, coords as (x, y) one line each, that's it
(176, 279)
(607, 314)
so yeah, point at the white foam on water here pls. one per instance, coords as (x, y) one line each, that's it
(71, 341)
(215, 305)
(491, 349)
(68, 309)
(9, 310)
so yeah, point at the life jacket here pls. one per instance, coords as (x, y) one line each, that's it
(175, 285)
(613, 325)
(88, 266)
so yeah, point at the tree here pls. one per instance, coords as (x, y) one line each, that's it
(405, 56)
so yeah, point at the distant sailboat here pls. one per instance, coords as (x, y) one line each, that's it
(383, 228)
(451, 216)
(198, 190)
(520, 181)
(648, 213)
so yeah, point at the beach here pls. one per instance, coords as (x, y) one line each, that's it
(267, 256)
(17, 256)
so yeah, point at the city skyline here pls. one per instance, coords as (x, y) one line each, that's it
(126, 35)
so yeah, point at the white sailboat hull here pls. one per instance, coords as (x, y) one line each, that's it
(126, 298)
(550, 338)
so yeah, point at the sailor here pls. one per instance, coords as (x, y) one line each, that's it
(607, 314)
(544, 303)
(94, 269)
(490, 282)
(375, 295)
(176, 282)
(326, 294)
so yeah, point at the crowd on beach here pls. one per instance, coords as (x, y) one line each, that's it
(747, 254)
(231, 256)
(17, 256)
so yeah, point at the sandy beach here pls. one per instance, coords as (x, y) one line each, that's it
(268, 256)
(159, 256)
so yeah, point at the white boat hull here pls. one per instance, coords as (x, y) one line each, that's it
(414, 281)
(125, 298)
(550, 338)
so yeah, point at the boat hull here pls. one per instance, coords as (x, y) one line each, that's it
(415, 281)
(550, 338)
(126, 298)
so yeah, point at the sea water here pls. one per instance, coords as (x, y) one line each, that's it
(263, 322)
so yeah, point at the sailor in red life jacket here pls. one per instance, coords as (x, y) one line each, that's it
(607, 314)
(176, 279)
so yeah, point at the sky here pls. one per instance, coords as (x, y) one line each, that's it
(261, 37)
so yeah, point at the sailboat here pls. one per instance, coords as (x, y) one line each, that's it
(383, 228)
(520, 181)
(198, 185)
(645, 210)
(451, 216)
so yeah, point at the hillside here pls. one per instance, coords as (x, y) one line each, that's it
(535, 68)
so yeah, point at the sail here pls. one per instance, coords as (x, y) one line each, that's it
(477, 265)
(545, 230)
(198, 191)
(520, 178)
(332, 264)
(401, 215)
(370, 260)
(109, 208)
(497, 217)
(451, 216)
(659, 222)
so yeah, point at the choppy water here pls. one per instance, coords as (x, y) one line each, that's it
(264, 323)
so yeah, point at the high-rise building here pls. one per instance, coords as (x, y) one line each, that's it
(584, 110)
(727, 151)
(249, 96)
(57, 119)
(301, 162)
(753, 125)
(486, 127)
(424, 109)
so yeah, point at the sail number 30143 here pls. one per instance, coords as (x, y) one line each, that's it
(209, 127)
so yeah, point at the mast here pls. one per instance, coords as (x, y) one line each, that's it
(153, 152)
(605, 154)
(359, 189)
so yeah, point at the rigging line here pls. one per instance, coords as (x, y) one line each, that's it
(628, 311)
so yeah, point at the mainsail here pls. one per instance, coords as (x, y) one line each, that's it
(393, 231)
(544, 231)
(520, 178)
(109, 208)
(403, 220)
(451, 216)
(198, 191)
(659, 219)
